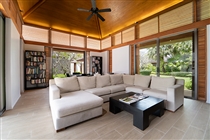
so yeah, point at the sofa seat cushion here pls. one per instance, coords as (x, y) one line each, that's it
(99, 91)
(74, 102)
(116, 88)
(136, 89)
(156, 93)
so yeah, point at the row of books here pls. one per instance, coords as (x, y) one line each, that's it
(37, 81)
(41, 66)
(34, 53)
(134, 98)
(37, 59)
(32, 70)
(41, 75)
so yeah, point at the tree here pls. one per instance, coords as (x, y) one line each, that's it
(62, 61)
(177, 55)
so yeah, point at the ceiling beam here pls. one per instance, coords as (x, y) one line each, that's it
(33, 8)
(98, 26)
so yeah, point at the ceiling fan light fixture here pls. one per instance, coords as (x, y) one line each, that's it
(95, 10)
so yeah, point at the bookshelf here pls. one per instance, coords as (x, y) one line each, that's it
(35, 69)
(96, 64)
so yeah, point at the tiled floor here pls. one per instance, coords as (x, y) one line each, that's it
(31, 119)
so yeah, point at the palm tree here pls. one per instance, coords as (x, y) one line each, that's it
(174, 55)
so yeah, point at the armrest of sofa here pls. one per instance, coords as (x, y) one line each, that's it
(54, 92)
(175, 97)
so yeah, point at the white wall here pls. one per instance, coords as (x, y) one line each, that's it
(105, 60)
(208, 64)
(33, 47)
(121, 60)
(12, 64)
(105, 56)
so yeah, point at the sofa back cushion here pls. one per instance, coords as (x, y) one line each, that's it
(103, 81)
(87, 82)
(142, 80)
(116, 79)
(162, 83)
(67, 84)
(179, 81)
(128, 79)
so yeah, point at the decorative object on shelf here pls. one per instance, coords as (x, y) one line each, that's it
(35, 69)
(95, 65)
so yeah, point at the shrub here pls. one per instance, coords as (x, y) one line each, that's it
(188, 84)
(149, 67)
(182, 74)
(165, 73)
(76, 72)
(59, 75)
(145, 72)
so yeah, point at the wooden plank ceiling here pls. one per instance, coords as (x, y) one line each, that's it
(63, 14)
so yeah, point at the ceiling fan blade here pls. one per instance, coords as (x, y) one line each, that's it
(93, 4)
(88, 18)
(85, 10)
(104, 10)
(100, 16)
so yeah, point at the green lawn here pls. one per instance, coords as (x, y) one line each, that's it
(59, 75)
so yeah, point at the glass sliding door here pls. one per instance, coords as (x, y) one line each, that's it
(2, 67)
(176, 59)
(169, 56)
(147, 58)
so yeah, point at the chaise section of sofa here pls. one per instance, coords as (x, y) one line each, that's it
(70, 105)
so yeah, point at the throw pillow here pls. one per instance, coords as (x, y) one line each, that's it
(128, 79)
(116, 79)
(142, 80)
(162, 83)
(67, 84)
(87, 82)
(102, 81)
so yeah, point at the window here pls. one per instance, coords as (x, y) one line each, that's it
(66, 63)
(173, 57)
(35, 34)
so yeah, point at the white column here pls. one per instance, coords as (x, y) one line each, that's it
(12, 64)
(208, 64)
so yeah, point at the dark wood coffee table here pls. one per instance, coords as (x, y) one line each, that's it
(140, 109)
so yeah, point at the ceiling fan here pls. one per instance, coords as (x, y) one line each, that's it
(95, 10)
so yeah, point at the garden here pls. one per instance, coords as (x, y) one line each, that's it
(175, 60)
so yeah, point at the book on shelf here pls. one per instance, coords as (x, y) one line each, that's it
(44, 66)
(28, 63)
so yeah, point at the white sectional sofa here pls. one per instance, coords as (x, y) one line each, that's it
(76, 99)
